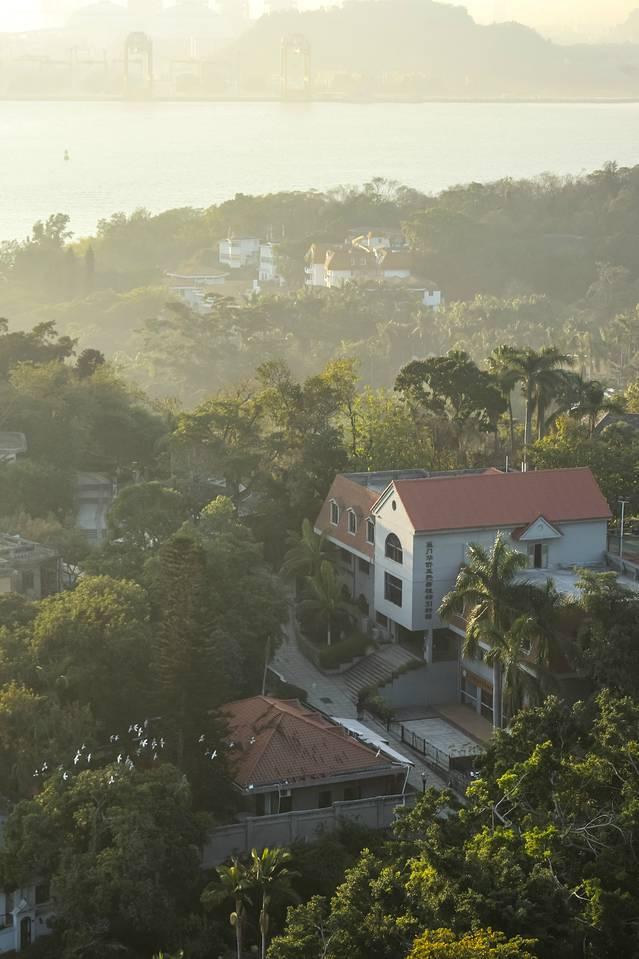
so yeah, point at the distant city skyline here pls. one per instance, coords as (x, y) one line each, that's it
(579, 17)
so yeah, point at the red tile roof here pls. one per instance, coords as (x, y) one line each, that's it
(350, 259)
(277, 741)
(347, 494)
(494, 499)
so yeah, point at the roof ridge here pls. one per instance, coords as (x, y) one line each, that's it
(488, 473)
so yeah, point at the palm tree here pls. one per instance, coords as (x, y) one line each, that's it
(326, 598)
(486, 594)
(504, 366)
(584, 399)
(272, 876)
(514, 653)
(307, 551)
(234, 884)
(542, 376)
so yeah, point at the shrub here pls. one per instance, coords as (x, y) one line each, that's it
(370, 700)
(344, 651)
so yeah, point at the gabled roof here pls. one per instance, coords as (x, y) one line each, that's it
(351, 259)
(611, 419)
(348, 494)
(280, 741)
(498, 500)
(317, 252)
(540, 528)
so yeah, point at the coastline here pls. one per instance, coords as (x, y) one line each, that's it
(412, 101)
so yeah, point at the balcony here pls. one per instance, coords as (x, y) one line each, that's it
(458, 624)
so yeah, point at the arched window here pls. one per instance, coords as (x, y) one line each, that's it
(394, 549)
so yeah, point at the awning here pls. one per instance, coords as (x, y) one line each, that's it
(369, 736)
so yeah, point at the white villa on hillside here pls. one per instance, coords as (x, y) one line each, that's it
(239, 251)
(403, 537)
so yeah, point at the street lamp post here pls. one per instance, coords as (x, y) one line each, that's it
(624, 503)
(423, 783)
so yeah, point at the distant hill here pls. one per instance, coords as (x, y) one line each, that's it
(628, 31)
(425, 48)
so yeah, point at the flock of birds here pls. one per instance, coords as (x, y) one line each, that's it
(142, 745)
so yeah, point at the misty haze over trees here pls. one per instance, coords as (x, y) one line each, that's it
(319, 509)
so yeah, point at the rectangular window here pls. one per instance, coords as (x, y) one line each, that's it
(346, 558)
(370, 531)
(260, 804)
(364, 566)
(352, 522)
(381, 620)
(352, 793)
(392, 589)
(487, 704)
(42, 893)
(325, 799)
(334, 513)
(285, 804)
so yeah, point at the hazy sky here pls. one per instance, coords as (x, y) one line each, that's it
(580, 15)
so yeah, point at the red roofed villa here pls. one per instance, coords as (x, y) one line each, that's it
(287, 758)
(403, 536)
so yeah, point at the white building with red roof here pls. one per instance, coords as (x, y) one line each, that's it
(403, 537)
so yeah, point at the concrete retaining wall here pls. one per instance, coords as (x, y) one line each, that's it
(306, 826)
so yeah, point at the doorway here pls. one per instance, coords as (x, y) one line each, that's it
(25, 932)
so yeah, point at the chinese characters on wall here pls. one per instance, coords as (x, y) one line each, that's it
(428, 582)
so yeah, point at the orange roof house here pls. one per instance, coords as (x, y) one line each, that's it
(281, 747)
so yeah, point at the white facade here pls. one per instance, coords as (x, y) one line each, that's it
(396, 274)
(431, 561)
(267, 272)
(11, 446)
(24, 917)
(238, 252)
(94, 494)
(315, 274)
(193, 289)
(432, 298)
(336, 278)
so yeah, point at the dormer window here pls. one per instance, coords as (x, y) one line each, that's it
(370, 531)
(334, 513)
(352, 522)
(394, 549)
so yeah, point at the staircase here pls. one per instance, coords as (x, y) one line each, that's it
(376, 669)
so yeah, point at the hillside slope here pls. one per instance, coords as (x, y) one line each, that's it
(434, 49)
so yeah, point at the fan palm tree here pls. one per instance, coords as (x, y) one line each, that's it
(234, 884)
(326, 598)
(307, 551)
(272, 876)
(486, 594)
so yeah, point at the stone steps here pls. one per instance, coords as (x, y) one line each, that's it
(376, 669)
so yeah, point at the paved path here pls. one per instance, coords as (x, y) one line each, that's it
(330, 695)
